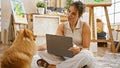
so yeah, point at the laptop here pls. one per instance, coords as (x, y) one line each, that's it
(59, 45)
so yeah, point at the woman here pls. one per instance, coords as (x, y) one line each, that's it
(80, 32)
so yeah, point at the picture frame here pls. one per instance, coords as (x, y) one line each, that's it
(45, 24)
(97, 2)
(19, 12)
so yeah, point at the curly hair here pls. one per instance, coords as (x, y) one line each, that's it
(79, 6)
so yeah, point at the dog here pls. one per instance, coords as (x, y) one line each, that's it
(21, 52)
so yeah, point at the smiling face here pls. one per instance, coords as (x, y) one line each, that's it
(75, 11)
(73, 14)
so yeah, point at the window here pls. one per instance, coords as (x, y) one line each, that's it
(117, 18)
(113, 11)
(116, 7)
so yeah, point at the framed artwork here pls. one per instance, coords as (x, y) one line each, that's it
(97, 2)
(18, 11)
(45, 24)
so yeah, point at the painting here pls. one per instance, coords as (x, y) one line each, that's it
(97, 2)
(18, 12)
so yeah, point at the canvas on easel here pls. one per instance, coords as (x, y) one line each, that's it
(19, 15)
(97, 2)
(18, 12)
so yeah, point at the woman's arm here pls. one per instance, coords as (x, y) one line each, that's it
(60, 30)
(86, 35)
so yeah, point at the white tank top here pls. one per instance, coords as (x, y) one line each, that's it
(76, 34)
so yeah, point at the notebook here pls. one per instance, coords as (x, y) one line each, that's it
(59, 45)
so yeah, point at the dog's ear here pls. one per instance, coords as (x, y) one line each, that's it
(28, 33)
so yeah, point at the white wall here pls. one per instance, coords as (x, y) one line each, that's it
(6, 11)
(29, 5)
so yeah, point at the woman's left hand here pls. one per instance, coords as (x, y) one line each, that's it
(75, 50)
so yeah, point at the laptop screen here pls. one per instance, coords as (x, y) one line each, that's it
(59, 45)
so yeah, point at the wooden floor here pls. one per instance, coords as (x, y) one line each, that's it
(2, 50)
(101, 50)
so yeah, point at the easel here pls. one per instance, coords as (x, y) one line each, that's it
(19, 16)
(19, 26)
(12, 32)
(91, 22)
(12, 28)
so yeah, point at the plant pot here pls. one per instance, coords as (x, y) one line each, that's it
(41, 10)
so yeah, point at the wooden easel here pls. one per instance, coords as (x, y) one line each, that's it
(12, 32)
(17, 26)
(19, 16)
(20, 26)
(91, 22)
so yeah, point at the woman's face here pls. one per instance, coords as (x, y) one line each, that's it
(73, 15)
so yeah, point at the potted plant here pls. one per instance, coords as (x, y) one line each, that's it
(40, 7)
(68, 2)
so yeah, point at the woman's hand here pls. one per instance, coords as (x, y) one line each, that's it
(75, 50)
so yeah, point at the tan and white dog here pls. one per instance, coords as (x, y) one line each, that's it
(21, 52)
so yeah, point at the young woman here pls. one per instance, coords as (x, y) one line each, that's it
(80, 32)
